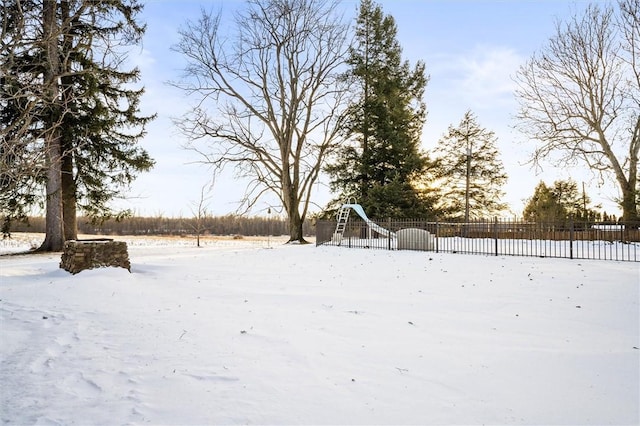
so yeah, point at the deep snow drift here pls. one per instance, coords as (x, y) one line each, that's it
(242, 332)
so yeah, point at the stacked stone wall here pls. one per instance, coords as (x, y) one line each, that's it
(79, 255)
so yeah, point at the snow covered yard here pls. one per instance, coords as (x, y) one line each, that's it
(240, 333)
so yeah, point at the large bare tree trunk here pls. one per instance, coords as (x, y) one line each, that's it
(295, 228)
(54, 238)
(291, 206)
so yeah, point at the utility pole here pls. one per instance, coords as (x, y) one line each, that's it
(584, 203)
(269, 227)
(468, 180)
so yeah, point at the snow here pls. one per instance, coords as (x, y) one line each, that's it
(257, 332)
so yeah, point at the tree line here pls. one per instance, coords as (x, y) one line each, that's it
(288, 90)
(562, 202)
(233, 225)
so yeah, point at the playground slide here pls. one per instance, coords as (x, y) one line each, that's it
(371, 224)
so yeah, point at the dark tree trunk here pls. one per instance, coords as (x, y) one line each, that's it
(68, 195)
(630, 208)
(291, 206)
(54, 238)
(54, 230)
(295, 228)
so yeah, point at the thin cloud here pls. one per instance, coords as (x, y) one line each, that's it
(478, 77)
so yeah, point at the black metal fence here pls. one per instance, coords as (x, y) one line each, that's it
(573, 240)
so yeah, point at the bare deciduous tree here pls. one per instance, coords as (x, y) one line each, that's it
(199, 209)
(268, 96)
(22, 159)
(580, 97)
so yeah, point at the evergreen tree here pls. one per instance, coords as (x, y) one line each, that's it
(93, 117)
(470, 169)
(102, 125)
(543, 206)
(382, 161)
(559, 203)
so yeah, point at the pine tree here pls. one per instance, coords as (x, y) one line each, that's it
(87, 112)
(470, 169)
(559, 203)
(543, 206)
(382, 161)
(103, 125)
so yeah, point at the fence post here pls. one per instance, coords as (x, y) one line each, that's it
(388, 233)
(571, 236)
(495, 234)
(437, 234)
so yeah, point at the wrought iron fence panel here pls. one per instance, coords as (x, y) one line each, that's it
(573, 240)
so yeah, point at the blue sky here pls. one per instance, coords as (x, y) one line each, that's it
(471, 50)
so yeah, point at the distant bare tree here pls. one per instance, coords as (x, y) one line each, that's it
(199, 210)
(268, 96)
(580, 96)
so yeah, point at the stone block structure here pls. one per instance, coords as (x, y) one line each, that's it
(79, 255)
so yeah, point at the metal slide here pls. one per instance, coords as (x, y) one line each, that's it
(360, 211)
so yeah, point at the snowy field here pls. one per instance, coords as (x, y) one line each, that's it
(256, 332)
